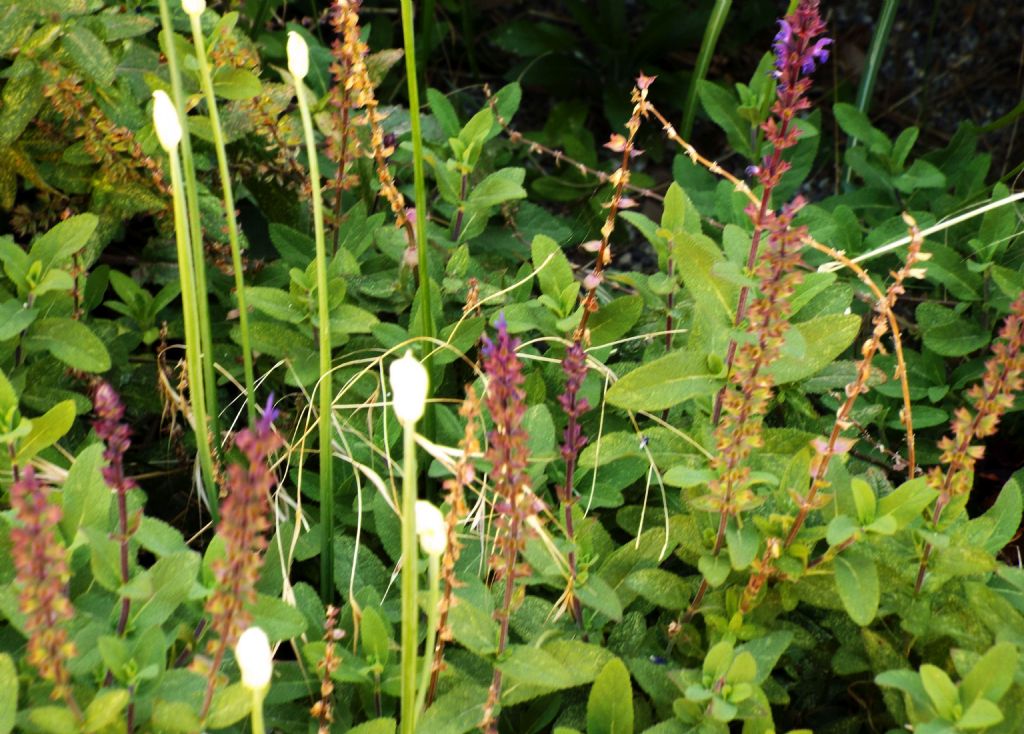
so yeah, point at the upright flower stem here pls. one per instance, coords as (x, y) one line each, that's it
(206, 79)
(193, 340)
(409, 41)
(433, 597)
(326, 390)
(410, 556)
(203, 389)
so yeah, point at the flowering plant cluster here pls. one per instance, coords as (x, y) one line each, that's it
(525, 473)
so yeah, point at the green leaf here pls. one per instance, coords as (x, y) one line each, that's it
(280, 620)
(980, 715)
(47, 429)
(86, 495)
(14, 319)
(997, 527)
(233, 83)
(556, 275)
(89, 55)
(53, 720)
(8, 693)
(721, 106)
(857, 584)
(907, 502)
(176, 717)
(742, 542)
(665, 382)
(376, 636)
(767, 649)
(679, 215)
(455, 712)
(497, 188)
(377, 726)
(64, 239)
(158, 591)
(610, 705)
(941, 690)
(715, 569)
(443, 112)
(615, 319)
(945, 333)
(597, 594)
(992, 676)
(535, 666)
(948, 267)
(907, 681)
(105, 709)
(473, 627)
(856, 124)
(920, 175)
(660, 587)
(277, 304)
(70, 341)
(695, 258)
(230, 705)
(828, 336)
(23, 96)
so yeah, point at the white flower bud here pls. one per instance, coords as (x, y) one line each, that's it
(166, 122)
(255, 659)
(431, 528)
(193, 7)
(408, 388)
(298, 55)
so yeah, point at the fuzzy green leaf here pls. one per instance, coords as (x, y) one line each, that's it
(610, 706)
(857, 584)
(665, 382)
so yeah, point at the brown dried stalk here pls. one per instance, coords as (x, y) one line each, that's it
(618, 179)
(881, 325)
(992, 397)
(323, 710)
(559, 156)
(464, 475)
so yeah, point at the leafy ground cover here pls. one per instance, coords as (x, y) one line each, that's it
(651, 387)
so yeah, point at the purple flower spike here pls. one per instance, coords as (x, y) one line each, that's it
(270, 414)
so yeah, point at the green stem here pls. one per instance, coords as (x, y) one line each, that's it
(433, 598)
(712, 31)
(324, 328)
(408, 37)
(209, 404)
(258, 727)
(206, 80)
(410, 556)
(879, 40)
(190, 315)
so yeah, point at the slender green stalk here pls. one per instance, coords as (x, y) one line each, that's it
(879, 40)
(409, 40)
(324, 329)
(876, 51)
(190, 314)
(410, 556)
(258, 727)
(206, 79)
(433, 597)
(712, 31)
(209, 406)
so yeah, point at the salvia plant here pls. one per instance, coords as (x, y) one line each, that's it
(428, 460)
